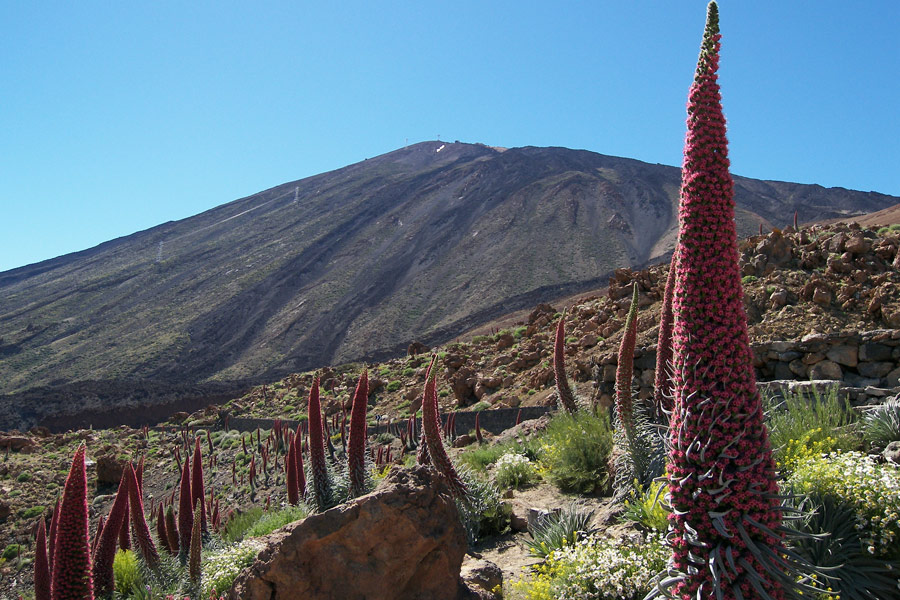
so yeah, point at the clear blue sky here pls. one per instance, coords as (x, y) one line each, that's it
(117, 116)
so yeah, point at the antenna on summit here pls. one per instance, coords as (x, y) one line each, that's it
(296, 194)
(159, 252)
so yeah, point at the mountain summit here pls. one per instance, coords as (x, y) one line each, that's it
(416, 244)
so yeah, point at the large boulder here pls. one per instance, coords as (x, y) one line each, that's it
(402, 541)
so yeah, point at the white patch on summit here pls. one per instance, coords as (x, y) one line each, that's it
(441, 148)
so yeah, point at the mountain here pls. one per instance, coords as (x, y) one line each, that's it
(417, 244)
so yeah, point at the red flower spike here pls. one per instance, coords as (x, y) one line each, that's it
(71, 578)
(41, 564)
(563, 391)
(197, 491)
(625, 370)
(194, 563)
(96, 541)
(104, 580)
(291, 475)
(171, 531)
(51, 539)
(125, 529)
(478, 435)
(321, 485)
(436, 451)
(139, 474)
(356, 455)
(298, 463)
(662, 395)
(139, 522)
(161, 534)
(721, 474)
(185, 513)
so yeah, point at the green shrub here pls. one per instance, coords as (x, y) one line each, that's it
(748, 279)
(271, 521)
(127, 573)
(514, 470)
(409, 372)
(800, 426)
(220, 567)
(485, 513)
(556, 530)
(881, 425)
(519, 332)
(12, 551)
(647, 511)
(23, 477)
(480, 405)
(34, 511)
(393, 386)
(872, 490)
(238, 525)
(478, 339)
(597, 568)
(575, 451)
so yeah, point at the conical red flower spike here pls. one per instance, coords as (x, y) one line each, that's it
(662, 394)
(104, 580)
(563, 391)
(356, 456)
(41, 565)
(171, 531)
(185, 513)
(71, 577)
(321, 484)
(436, 451)
(139, 522)
(51, 538)
(625, 371)
(291, 475)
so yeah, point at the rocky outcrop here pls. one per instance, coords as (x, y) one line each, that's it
(403, 541)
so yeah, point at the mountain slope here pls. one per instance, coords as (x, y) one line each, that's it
(419, 243)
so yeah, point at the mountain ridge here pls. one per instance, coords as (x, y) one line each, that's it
(356, 263)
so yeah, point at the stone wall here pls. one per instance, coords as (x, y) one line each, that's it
(867, 360)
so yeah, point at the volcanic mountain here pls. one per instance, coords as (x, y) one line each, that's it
(417, 244)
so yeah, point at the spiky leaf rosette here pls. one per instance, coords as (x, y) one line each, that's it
(41, 564)
(139, 522)
(726, 515)
(432, 431)
(197, 487)
(104, 579)
(71, 579)
(662, 393)
(356, 454)
(185, 513)
(563, 391)
(321, 483)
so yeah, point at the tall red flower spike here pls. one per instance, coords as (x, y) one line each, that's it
(726, 515)
(194, 562)
(356, 454)
(662, 394)
(185, 513)
(162, 535)
(71, 579)
(172, 531)
(298, 462)
(197, 491)
(104, 581)
(139, 522)
(125, 529)
(563, 391)
(51, 539)
(293, 490)
(321, 484)
(625, 371)
(431, 426)
(41, 564)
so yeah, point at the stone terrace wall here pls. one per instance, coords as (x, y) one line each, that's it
(869, 359)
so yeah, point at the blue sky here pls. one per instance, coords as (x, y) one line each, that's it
(118, 116)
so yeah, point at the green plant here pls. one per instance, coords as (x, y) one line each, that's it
(478, 406)
(558, 529)
(127, 572)
(393, 386)
(647, 510)
(24, 477)
(271, 521)
(221, 566)
(597, 568)
(12, 551)
(30, 513)
(748, 279)
(519, 332)
(881, 425)
(575, 451)
(514, 471)
(409, 372)
(238, 525)
(872, 490)
(482, 512)
(834, 542)
(801, 426)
